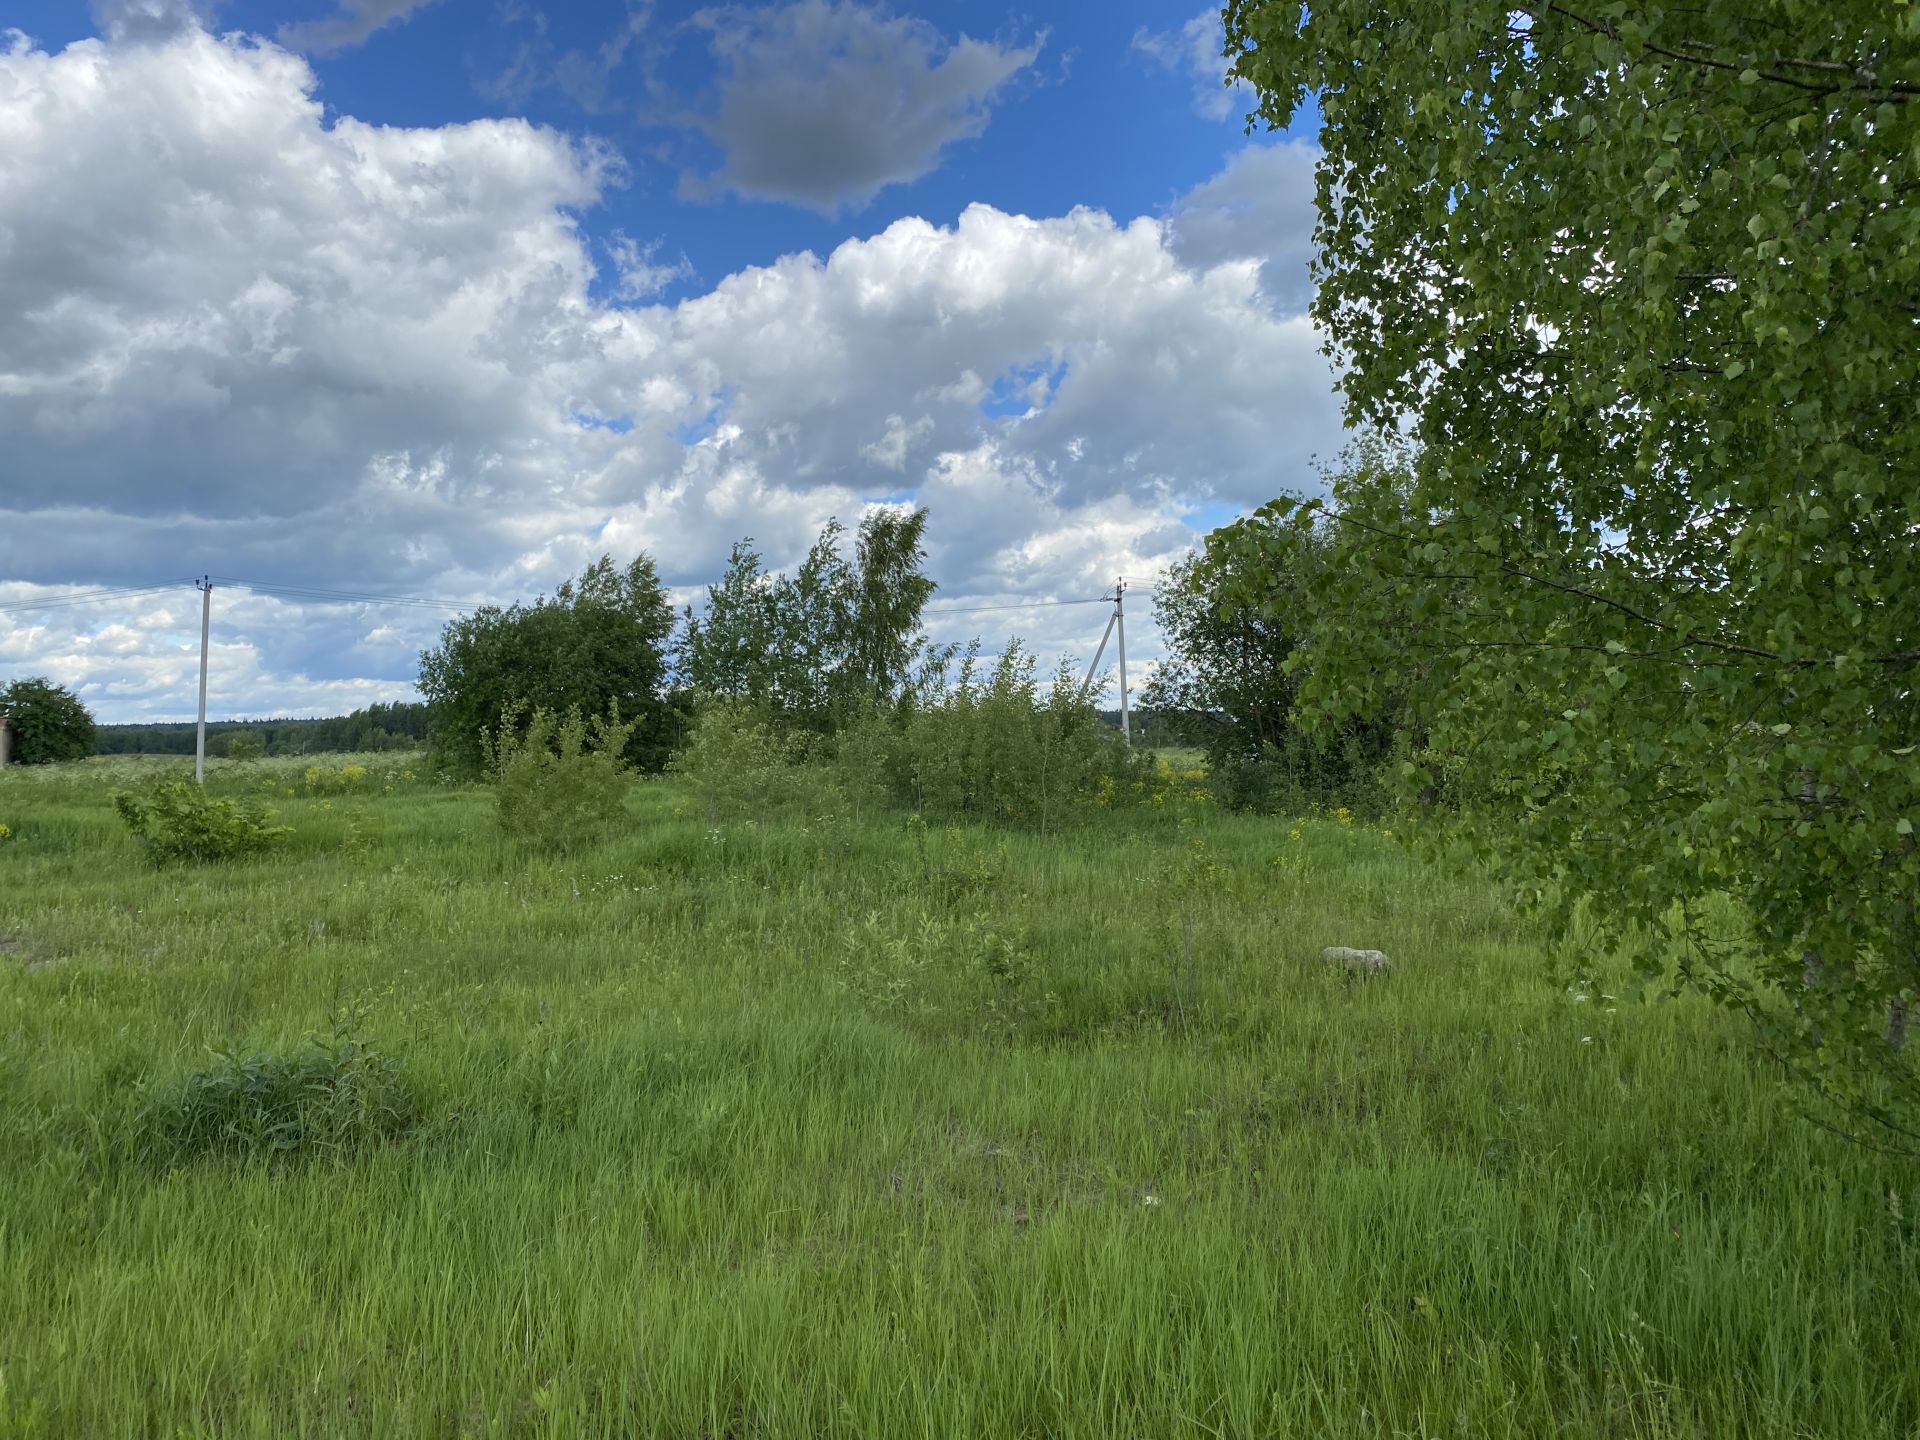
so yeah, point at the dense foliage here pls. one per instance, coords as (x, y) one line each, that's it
(379, 727)
(598, 643)
(338, 1096)
(49, 723)
(1646, 283)
(814, 649)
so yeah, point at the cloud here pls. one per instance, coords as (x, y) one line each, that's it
(144, 21)
(825, 103)
(1259, 208)
(583, 76)
(216, 305)
(1197, 51)
(639, 275)
(238, 339)
(352, 24)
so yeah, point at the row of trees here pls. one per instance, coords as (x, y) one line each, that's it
(807, 655)
(398, 726)
(807, 652)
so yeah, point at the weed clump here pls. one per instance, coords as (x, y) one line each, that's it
(338, 1097)
(177, 821)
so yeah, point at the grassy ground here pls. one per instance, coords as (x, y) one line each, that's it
(837, 1125)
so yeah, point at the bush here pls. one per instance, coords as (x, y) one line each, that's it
(48, 721)
(1001, 748)
(1303, 775)
(338, 1097)
(557, 779)
(178, 820)
(740, 763)
(239, 745)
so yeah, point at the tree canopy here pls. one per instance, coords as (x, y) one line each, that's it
(1232, 675)
(49, 722)
(1644, 284)
(598, 642)
(810, 649)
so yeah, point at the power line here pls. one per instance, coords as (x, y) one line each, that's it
(327, 596)
(1021, 605)
(87, 597)
(346, 597)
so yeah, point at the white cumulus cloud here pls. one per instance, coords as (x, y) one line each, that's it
(238, 338)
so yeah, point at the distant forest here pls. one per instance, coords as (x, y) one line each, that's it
(404, 727)
(378, 727)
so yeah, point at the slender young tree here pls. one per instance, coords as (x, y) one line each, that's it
(813, 648)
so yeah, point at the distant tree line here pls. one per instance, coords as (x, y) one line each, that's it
(399, 726)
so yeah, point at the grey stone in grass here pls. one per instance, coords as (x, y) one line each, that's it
(1357, 962)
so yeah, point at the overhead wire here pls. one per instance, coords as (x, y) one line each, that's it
(345, 597)
(328, 596)
(1021, 605)
(97, 596)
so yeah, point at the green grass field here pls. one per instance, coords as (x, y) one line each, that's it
(853, 1126)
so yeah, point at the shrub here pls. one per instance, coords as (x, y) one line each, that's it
(177, 820)
(49, 722)
(337, 1097)
(557, 779)
(1001, 748)
(739, 762)
(244, 745)
(318, 781)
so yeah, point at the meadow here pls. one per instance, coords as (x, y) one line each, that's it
(819, 1122)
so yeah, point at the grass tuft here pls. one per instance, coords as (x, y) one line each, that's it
(338, 1097)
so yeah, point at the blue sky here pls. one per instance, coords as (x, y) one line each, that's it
(1096, 119)
(442, 298)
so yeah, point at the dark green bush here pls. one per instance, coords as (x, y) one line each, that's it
(48, 721)
(177, 820)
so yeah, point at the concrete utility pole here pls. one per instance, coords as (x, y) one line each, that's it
(1105, 635)
(6, 739)
(1116, 621)
(200, 734)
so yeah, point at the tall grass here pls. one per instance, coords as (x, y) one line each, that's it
(808, 1125)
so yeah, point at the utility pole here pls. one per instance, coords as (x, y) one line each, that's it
(200, 734)
(1115, 621)
(1105, 635)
